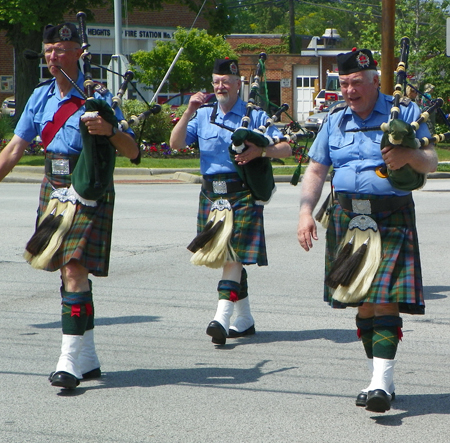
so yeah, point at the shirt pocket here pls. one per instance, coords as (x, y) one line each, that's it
(342, 148)
(209, 142)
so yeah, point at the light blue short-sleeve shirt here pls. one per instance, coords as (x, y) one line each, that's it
(41, 108)
(356, 155)
(215, 140)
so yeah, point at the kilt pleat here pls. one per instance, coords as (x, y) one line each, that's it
(399, 276)
(89, 239)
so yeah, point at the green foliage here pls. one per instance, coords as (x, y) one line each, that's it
(154, 129)
(193, 70)
(6, 126)
(220, 21)
(259, 47)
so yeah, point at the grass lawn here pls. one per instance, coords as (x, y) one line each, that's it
(178, 163)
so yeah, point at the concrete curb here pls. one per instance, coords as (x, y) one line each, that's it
(33, 174)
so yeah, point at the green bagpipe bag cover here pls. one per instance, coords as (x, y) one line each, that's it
(405, 178)
(256, 174)
(95, 167)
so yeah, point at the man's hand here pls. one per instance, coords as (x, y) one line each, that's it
(249, 154)
(396, 157)
(306, 231)
(196, 101)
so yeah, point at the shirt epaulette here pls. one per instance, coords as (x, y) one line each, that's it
(405, 101)
(45, 82)
(207, 105)
(100, 88)
(338, 107)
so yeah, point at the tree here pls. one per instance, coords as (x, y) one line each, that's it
(193, 70)
(24, 21)
(424, 23)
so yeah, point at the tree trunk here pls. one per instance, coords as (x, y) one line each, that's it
(26, 71)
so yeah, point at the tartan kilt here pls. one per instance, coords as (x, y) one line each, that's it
(248, 239)
(89, 238)
(399, 276)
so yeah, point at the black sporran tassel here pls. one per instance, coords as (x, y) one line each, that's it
(43, 234)
(349, 268)
(205, 236)
(333, 278)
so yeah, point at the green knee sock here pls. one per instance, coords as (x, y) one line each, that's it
(365, 333)
(386, 335)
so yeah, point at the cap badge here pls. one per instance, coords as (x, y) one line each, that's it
(362, 60)
(65, 33)
(233, 68)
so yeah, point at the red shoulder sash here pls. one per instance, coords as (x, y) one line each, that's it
(61, 116)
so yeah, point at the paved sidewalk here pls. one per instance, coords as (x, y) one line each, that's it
(33, 174)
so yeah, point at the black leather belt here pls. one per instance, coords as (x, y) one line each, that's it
(60, 166)
(390, 204)
(223, 187)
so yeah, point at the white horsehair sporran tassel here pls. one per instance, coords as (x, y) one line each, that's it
(363, 229)
(218, 250)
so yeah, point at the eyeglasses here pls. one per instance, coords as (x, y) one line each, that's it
(225, 83)
(58, 51)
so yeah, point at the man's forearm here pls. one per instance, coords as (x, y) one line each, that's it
(312, 185)
(178, 135)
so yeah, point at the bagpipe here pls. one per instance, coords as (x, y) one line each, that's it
(397, 132)
(258, 173)
(94, 169)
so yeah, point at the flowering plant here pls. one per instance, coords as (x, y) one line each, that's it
(163, 150)
(34, 148)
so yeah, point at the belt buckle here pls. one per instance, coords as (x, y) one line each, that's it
(60, 166)
(219, 186)
(361, 206)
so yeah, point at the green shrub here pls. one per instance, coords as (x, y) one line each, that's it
(6, 126)
(155, 128)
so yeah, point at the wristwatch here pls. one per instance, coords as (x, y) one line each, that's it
(263, 153)
(113, 133)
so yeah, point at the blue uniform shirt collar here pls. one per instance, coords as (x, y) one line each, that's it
(73, 92)
(382, 106)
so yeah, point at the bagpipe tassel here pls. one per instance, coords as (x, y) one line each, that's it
(217, 250)
(358, 271)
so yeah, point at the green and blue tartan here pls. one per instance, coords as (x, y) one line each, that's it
(248, 239)
(89, 239)
(399, 276)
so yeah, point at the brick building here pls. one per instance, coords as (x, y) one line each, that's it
(291, 78)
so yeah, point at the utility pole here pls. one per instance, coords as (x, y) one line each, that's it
(293, 49)
(387, 46)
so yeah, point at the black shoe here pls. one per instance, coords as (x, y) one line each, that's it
(232, 333)
(64, 380)
(361, 400)
(378, 401)
(217, 332)
(95, 373)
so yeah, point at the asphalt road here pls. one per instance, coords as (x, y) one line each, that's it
(164, 381)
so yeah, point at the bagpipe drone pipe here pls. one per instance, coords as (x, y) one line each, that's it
(396, 132)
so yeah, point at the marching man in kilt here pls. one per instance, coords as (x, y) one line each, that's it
(83, 245)
(226, 202)
(371, 224)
